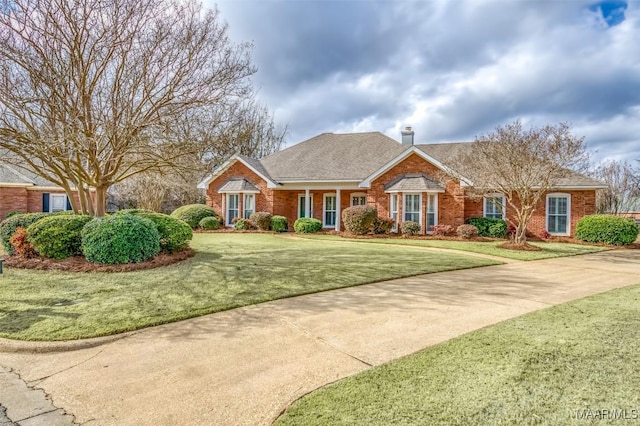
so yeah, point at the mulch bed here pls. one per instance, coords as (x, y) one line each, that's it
(80, 264)
(519, 246)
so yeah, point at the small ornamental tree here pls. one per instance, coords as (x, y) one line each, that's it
(522, 165)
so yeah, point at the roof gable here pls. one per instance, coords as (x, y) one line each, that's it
(252, 164)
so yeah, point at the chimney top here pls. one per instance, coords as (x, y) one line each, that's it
(407, 136)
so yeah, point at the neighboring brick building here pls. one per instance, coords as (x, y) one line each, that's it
(25, 192)
(330, 172)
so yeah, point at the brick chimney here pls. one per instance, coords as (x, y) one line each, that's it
(407, 136)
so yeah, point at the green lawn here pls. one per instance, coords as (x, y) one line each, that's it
(549, 250)
(228, 271)
(536, 369)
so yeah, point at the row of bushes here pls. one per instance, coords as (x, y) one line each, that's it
(130, 236)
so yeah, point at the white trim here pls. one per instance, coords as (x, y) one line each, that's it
(207, 181)
(546, 212)
(431, 191)
(305, 181)
(324, 209)
(357, 195)
(244, 203)
(494, 195)
(66, 200)
(252, 191)
(339, 211)
(317, 186)
(391, 211)
(310, 204)
(366, 183)
(404, 208)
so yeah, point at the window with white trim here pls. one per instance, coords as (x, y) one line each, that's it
(329, 211)
(302, 207)
(411, 208)
(249, 205)
(432, 208)
(393, 210)
(58, 202)
(358, 199)
(233, 208)
(494, 206)
(558, 214)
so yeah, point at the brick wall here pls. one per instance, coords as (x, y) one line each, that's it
(21, 199)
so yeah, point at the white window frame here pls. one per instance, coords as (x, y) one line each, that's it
(393, 213)
(546, 212)
(358, 195)
(300, 213)
(325, 211)
(228, 210)
(244, 205)
(64, 198)
(404, 206)
(485, 202)
(435, 210)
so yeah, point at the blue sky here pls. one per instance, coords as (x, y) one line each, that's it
(450, 69)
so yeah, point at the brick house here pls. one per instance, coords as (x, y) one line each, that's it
(25, 192)
(324, 175)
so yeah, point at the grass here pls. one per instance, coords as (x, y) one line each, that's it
(549, 250)
(228, 271)
(555, 366)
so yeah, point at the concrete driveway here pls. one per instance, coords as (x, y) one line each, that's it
(243, 367)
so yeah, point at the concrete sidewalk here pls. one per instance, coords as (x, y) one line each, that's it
(247, 365)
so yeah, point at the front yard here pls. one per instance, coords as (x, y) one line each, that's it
(575, 363)
(228, 271)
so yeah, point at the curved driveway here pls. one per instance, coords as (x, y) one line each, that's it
(244, 366)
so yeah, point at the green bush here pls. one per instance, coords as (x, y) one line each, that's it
(120, 239)
(307, 225)
(210, 223)
(9, 226)
(175, 234)
(262, 220)
(609, 229)
(58, 236)
(193, 213)
(382, 225)
(279, 224)
(241, 224)
(467, 231)
(410, 228)
(358, 220)
(489, 226)
(13, 213)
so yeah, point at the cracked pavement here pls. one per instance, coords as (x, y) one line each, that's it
(245, 366)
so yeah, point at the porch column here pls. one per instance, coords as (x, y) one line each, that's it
(338, 211)
(307, 203)
(223, 206)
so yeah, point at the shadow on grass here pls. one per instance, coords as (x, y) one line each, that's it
(17, 320)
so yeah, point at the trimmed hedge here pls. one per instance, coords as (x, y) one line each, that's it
(410, 228)
(58, 236)
(242, 224)
(609, 229)
(307, 225)
(262, 220)
(489, 226)
(193, 213)
(210, 223)
(9, 226)
(467, 231)
(175, 234)
(358, 220)
(119, 239)
(279, 224)
(382, 225)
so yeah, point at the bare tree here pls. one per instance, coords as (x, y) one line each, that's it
(622, 186)
(92, 91)
(523, 165)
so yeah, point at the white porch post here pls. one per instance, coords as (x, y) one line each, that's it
(307, 203)
(338, 212)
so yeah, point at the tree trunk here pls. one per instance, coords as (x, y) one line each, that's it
(100, 202)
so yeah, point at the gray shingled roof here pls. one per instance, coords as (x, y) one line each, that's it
(446, 152)
(238, 185)
(413, 182)
(10, 174)
(332, 156)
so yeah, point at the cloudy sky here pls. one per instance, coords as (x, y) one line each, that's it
(450, 69)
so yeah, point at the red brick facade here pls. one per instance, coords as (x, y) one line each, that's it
(14, 198)
(454, 206)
